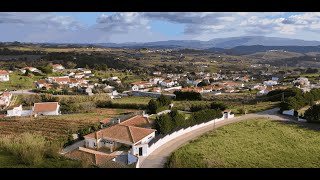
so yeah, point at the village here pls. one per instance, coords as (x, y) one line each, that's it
(126, 140)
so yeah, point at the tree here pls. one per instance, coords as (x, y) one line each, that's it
(164, 124)
(218, 105)
(164, 100)
(152, 106)
(71, 65)
(313, 114)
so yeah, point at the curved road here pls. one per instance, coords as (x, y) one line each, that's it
(158, 157)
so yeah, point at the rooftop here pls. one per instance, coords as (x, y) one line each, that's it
(45, 107)
(122, 133)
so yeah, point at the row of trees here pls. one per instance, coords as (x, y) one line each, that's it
(161, 103)
(174, 120)
(301, 100)
(188, 95)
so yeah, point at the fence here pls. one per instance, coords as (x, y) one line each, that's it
(162, 139)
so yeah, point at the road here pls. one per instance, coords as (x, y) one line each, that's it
(158, 157)
(24, 91)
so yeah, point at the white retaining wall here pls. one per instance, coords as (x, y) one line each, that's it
(181, 132)
(288, 112)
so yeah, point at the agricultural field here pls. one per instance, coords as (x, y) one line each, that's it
(56, 128)
(254, 143)
(132, 100)
(252, 108)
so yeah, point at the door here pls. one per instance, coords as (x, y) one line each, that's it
(140, 151)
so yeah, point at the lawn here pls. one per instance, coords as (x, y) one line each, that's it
(133, 100)
(10, 161)
(254, 143)
(18, 81)
(252, 108)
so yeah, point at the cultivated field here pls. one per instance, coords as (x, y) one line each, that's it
(255, 143)
(56, 127)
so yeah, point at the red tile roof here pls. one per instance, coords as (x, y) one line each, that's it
(136, 121)
(45, 107)
(122, 133)
(3, 72)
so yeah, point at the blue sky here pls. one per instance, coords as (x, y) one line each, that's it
(103, 27)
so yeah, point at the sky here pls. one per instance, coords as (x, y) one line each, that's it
(120, 27)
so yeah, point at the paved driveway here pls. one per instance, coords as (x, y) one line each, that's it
(158, 157)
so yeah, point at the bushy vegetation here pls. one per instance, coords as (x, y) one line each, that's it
(110, 104)
(188, 95)
(31, 149)
(300, 100)
(255, 143)
(158, 105)
(276, 95)
(313, 114)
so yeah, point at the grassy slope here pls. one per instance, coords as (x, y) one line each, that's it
(17, 79)
(252, 143)
(9, 161)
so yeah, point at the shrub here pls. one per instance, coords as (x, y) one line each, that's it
(313, 114)
(218, 105)
(189, 95)
(29, 148)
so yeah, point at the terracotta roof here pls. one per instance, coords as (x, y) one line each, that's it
(122, 133)
(45, 107)
(62, 79)
(104, 121)
(56, 65)
(140, 83)
(6, 94)
(41, 81)
(3, 72)
(136, 121)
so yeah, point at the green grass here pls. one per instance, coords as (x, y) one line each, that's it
(186, 105)
(133, 100)
(19, 81)
(9, 161)
(252, 108)
(254, 143)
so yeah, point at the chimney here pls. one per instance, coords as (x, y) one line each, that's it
(118, 120)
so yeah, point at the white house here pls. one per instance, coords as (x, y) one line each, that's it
(263, 92)
(302, 81)
(142, 84)
(15, 111)
(167, 83)
(156, 80)
(46, 108)
(4, 75)
(193, 82)
(57, 67)
(31, 69)
(135, 88)
(270, 83)
(121, 135)
(5, 99)
(156, 73)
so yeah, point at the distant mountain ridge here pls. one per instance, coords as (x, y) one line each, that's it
(226, 43)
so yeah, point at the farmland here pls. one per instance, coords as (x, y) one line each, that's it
(56, 128)
(254, 143)
(132, 100)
